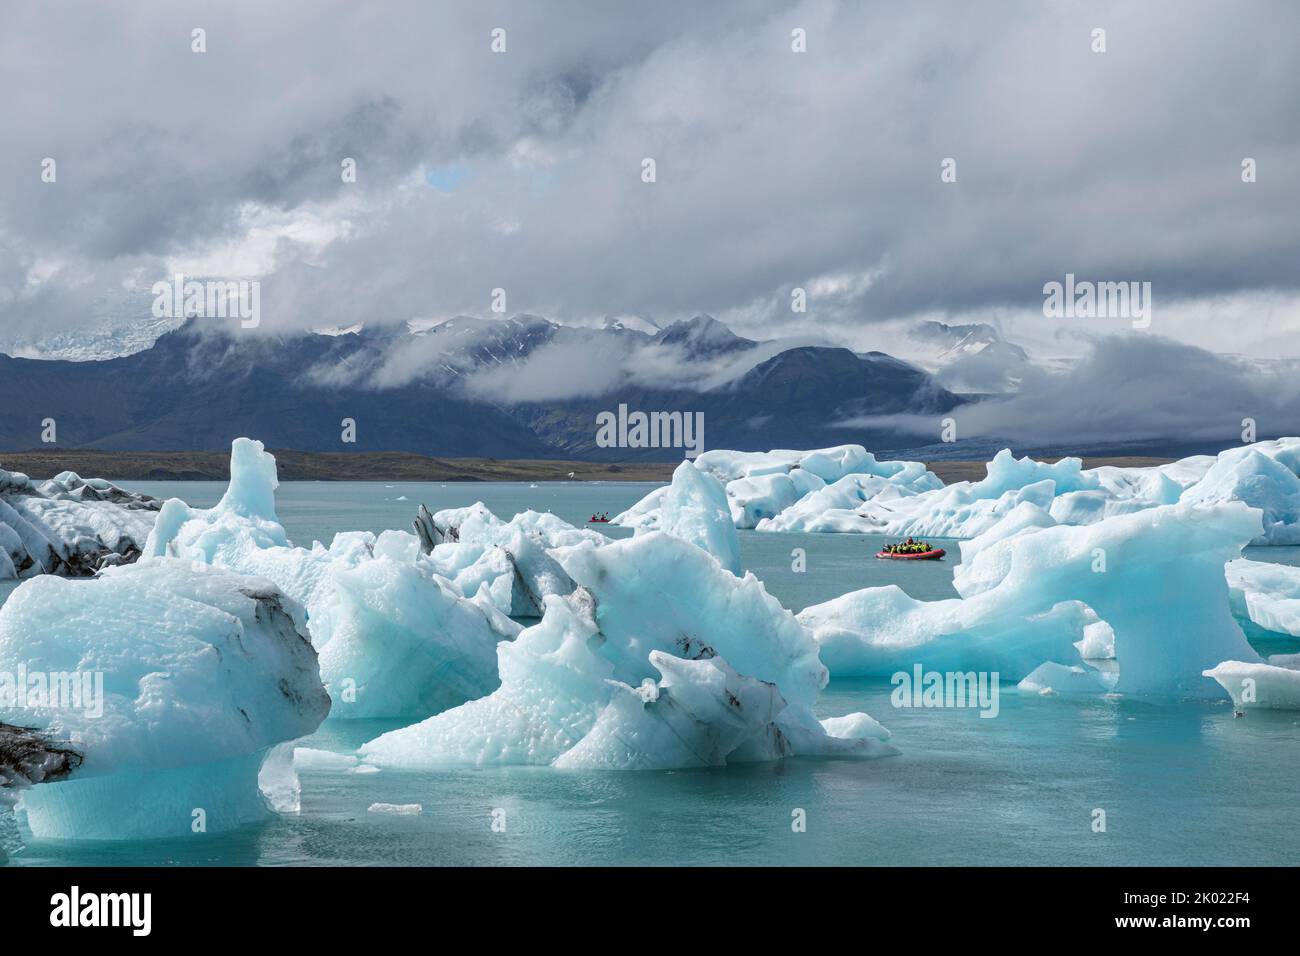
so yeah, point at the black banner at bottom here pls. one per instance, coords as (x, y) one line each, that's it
(329, 905)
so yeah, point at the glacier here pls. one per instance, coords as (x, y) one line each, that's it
(188, 678)
(395, 637)
(661, 658)
(846, 490)
(69, 525)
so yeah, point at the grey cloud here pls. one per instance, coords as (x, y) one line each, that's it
(774, 169)
(1135, 388)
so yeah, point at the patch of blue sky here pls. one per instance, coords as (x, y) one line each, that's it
(447, 178)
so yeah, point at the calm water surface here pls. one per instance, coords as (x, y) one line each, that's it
(1181, 783)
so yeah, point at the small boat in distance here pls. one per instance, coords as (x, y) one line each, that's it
(599, 519)
(932, 555)
(910, 550)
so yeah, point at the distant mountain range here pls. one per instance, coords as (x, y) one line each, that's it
(972, 358)
(523, 387)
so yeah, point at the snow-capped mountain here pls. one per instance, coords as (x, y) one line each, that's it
(630, 323)
(704, 337)
(972, 358)
(523, 387)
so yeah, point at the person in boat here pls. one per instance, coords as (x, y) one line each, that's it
(910, 546)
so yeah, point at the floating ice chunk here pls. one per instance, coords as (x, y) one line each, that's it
(396, 809)
(311, 758)
(1023, 595)
(1008, 473)
(506, 627)
(756, 498)
(701, 714)
(240, 525)
(1025, 516)
(836, 507)
(511, 557)
(1267, 594)
(912, 502)
(832, 490)
(958, 511)
(553, 687)
(695, 510)
(189, 676)
(1089, 507)
(1285, 451)
(645, 605)
(880, 631)
(253, 481)
(657, 592)
(1244, 474)
(478, 525)
(395, 639)
(855, 727)
(644, 514)
(69, 526)
(762, 485)
(1051, 679)
(1269, 686)
(828, 464)
(1117, 567)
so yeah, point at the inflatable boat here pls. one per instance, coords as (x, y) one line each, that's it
(932, 555)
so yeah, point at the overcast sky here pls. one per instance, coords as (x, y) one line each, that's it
(523, 170)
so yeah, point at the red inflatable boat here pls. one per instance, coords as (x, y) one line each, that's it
(933, 555)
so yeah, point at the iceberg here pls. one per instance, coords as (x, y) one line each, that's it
(695, 509)
(877, 632)
(1263, 482)
(1273, 685)
(835, 507)
(396, 809)
(1052, 679)
(1268, 595)
(661, 658)
(757, 498)
(472, 547)
(69, 525)
(152, 696)
(846, 490)
(701, 713)
(762, 485)
(396, 639)
(1154, 577)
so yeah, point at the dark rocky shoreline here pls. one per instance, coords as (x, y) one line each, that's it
(397, 466)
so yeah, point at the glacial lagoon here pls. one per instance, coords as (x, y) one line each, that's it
(1181, 783)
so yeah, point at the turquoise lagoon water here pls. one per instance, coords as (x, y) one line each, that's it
(1181, 783)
